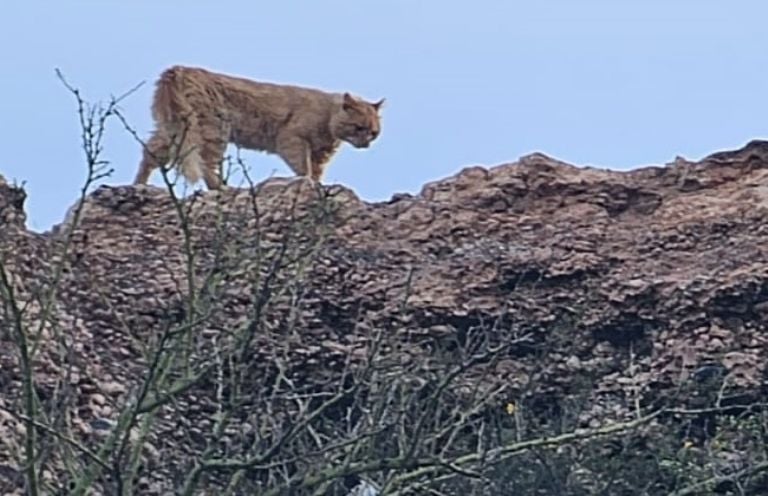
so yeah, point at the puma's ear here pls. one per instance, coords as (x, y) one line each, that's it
(378, 104)
(349, 101)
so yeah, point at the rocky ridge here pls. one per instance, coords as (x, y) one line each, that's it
(638, 279)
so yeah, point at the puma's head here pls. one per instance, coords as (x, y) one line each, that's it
(357, 122)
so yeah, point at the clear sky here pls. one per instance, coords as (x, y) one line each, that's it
(608, 83)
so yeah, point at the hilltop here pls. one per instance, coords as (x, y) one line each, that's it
(570, 298)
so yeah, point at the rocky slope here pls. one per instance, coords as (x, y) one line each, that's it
(642, 279)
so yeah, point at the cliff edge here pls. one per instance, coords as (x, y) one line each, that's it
(612, 293)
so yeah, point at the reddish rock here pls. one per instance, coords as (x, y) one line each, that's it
(666, 266)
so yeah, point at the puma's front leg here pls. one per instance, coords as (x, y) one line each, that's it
(317, 171)
(296, 153)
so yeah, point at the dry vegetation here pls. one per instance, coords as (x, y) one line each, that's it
(231, 391)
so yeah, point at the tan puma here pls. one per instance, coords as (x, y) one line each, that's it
(198, 112)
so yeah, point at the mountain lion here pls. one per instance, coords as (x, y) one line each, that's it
(198, 112)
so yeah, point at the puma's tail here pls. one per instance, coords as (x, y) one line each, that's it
(175, 116)
(170, 107)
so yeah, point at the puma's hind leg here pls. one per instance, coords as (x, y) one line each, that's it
(157, 153)
(212, 151)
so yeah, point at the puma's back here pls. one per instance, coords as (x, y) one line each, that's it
(198, 112)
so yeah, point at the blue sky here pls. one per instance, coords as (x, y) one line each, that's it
(608, 83)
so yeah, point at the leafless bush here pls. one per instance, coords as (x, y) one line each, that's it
(265, 407)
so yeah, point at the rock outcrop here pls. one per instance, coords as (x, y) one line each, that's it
(643, 279)
(11, 206)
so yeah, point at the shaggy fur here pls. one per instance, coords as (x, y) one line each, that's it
(198, 112)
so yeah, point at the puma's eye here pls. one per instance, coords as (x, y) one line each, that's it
(360, 128)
